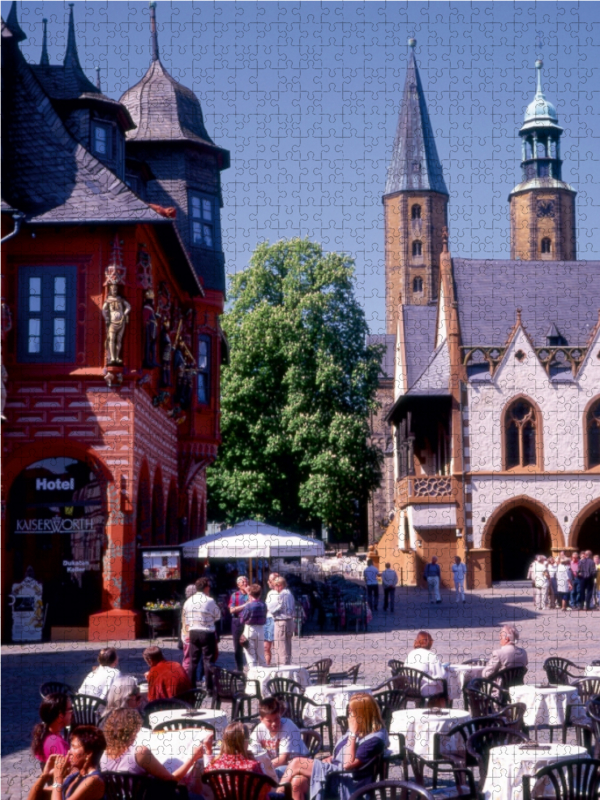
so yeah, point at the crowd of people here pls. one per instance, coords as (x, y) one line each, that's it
(432, 576)
(567, 583)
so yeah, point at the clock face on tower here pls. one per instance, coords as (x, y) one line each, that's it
(545, 208)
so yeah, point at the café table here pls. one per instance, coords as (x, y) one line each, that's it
(337, 697)
(546, 705)
(457, 677)
(508, 763)
(262, 675)
(420, 725)
(592, 671)
(212, 716)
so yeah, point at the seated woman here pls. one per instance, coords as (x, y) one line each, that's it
(100, 679)
(56, 711)
(74, 776)
(423, 658)
(127, 749)
(234, 751)
(365, 739)
(124, 693)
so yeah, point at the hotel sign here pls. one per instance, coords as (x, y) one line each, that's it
(55, 525)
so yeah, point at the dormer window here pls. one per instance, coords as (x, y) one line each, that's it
(202, 219)
(103, 141)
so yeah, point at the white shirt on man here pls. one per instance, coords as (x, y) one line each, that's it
(459, 571)
(200, 613)
(287, 740)
(99, 681)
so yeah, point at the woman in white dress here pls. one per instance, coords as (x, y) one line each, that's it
(423, 658)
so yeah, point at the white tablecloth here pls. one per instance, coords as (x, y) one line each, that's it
(262, 675)
(458, 675)
(173, 748)
(214, 717)
(419, 726)
(544, 706)
(509, 763)
(337, 697)
(592, 672)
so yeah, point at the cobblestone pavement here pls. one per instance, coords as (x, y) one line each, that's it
(459, 631)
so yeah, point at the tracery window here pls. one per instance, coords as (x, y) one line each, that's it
(593, 435)
(546, 245)
(417, 248)
(415, 211)
(521, 431)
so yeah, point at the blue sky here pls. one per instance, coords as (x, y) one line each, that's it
(306, 96)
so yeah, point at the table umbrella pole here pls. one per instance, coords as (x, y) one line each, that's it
(250, 571)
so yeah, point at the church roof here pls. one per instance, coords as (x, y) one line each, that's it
(162, 108)
(489, 292)
(415, 163)
(435, 378)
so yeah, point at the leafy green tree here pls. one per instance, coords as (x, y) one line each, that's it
(296, 395)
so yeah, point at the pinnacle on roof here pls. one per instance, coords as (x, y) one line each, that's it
(44, 60)
(540, 110)
(415, 163)
(71, 55)
(163, 109)
(12, 23)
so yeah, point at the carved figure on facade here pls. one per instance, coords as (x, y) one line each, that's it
(6, 327)
(144, 268)
(166, 353)
(150, 326)
(116, 312)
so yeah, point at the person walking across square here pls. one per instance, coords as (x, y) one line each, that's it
(433, 575)
(459, 570)
(370, 575)
(389, 579)
(200, 613)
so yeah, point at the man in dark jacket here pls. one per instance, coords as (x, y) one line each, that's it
(433, 576)
(587, 579)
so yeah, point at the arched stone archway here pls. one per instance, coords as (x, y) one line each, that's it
(585, 532)
(519, 529)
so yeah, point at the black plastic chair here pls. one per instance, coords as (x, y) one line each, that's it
(463, 730)
(235, 784)
(168, 704)
(319, 671)
(395, 666)
(392, 790)
(182, 724)
(388, 702)
(277, 686)
(295, 709)
(241, 709)
(572, 779)
(195, 697)
(87, 710)
(128, 786)
(481, 742)
(458, 781)
(512, 716)
(511, 676)
(374, 769)
(349, 676)
(559, 671)
(412, 681)
(313, 742)
(593, 712)
(226, 685)
(484, 698)
(55, 687)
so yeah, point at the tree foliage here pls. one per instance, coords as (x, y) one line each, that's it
(296, 395)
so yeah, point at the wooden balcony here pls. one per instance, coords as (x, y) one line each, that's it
(425, 490)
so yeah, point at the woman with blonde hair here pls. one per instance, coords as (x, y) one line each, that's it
(351, 767)
(127, 749)
(234, 751)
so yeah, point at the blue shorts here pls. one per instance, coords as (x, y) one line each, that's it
(270, 630)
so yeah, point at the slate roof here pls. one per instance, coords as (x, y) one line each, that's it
(389, 356)
(419, 339)
(415, 162)
(435, 379)
(563, 293)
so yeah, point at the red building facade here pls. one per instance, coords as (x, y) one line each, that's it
(113, 283)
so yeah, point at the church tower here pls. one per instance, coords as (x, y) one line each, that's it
(415, 204)
(542, 206)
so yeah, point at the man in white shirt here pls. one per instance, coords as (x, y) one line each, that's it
(283, 607)
(279, 736)
(100, 679)
(459, 570)
(200, 612)
(370, 575)
(389, 580)
(541, 582)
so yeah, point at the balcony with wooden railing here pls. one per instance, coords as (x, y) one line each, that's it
(425, 489)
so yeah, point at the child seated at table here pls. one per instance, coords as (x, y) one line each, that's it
(279, 736)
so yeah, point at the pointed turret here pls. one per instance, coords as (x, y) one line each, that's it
(542, 206)
(415, 203)
(71, 55)
(44, 60)
(415, 162)
(12, 23)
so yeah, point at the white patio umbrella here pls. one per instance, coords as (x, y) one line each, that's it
(251, 539)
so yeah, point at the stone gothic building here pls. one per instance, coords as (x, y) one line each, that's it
(490, 397)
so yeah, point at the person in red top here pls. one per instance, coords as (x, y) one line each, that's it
(234, 751)
(165, 678)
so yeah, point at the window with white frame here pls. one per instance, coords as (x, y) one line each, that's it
(202, 219)
(203, 367)
(46, 322)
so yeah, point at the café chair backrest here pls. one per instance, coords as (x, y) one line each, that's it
(195, 697)
(561, 671)
(482, 741)
(319, 671)
(395, 666)
(87, 710)
(392, 790)
(573, 778)
(276, 686)
(235, 784)
(168, 704)
(130, 786)
(588, 688)
(511, 676)
(388, 702)
(183, 724)
(313, 742)
(55, 687)
(348, 676)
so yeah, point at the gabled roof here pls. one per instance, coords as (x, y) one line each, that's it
(419, 339)
(388, 362)
(415, 163)
(435, 378)
(563, 293)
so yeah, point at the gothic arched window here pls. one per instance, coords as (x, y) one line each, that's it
(417, 248)
(546, 245)
(418, 285)
(592, 425)
(521, 432)
(415, 212)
